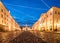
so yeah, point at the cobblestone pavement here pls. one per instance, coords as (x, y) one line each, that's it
(27, 37)
(5, 37)
(48, 37)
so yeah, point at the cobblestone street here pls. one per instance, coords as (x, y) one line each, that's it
(27, 37)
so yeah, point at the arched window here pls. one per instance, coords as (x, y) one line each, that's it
(55, 12)
(1, 10)
(2, 15)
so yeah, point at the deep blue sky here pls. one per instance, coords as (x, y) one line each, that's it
(29, 11)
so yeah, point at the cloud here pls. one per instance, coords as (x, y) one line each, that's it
(45, 3)
(25, 7)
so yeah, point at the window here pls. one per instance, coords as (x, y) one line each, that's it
(1, 15)
(58, 13)
(7, 15)
(50, 13)
(5, 18)
(55, 12)
(1, 10)
(47, 15)
(5, 22)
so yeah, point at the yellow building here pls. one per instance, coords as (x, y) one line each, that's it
(49, 21)
(6, 20)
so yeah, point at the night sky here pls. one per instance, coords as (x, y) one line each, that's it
(29, 11)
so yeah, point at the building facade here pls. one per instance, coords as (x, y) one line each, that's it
(7, 23)
(49, 21)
